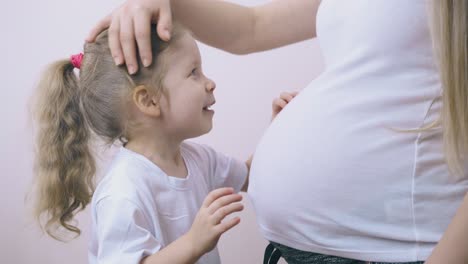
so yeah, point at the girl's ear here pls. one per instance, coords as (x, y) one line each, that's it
(146, 101)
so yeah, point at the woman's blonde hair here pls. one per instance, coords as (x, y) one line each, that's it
(68, 111)
(450, 24)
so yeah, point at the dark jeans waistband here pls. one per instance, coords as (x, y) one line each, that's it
(275, 251)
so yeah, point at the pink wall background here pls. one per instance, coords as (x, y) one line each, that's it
(34, 33)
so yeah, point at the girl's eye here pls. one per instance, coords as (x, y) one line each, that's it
(194, 71)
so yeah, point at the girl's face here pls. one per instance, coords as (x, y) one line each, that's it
(188, 96)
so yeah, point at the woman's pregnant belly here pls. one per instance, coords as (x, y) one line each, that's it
(331, 166)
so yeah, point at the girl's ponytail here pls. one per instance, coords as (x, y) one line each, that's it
(64, 165)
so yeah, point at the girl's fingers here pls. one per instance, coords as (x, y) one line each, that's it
(223, 201)
(224, 211)
(279, 103)
(214, 195)
(226, 225)
(287, 97)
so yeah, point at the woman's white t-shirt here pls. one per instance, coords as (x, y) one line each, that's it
(333, 174)
(138, 209)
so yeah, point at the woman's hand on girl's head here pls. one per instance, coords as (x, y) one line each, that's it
(281, 102)
(130, 27)
(208, 225)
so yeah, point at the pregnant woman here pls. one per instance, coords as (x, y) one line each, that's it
(346, 173)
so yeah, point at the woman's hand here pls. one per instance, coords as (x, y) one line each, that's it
(130, 27)
(208, 225)
(281, 102)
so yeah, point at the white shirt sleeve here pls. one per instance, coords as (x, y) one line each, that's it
(123, 232)
(225, 171)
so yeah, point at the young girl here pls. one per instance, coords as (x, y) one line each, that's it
(163, 200)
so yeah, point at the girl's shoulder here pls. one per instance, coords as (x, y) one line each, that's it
(128, 176)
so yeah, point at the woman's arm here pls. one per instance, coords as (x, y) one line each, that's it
(227, 26)
(241, 30)
(452, 248)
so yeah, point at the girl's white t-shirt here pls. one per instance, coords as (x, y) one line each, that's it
(334, 174)
(137, 209)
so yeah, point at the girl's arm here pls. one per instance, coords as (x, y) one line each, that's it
(248, 162)
(181, 251)
(452, 248)
(206, 229)
(234, 28)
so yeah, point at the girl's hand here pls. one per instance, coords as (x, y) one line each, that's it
(130, 26)
(279, 103)
(208, 227)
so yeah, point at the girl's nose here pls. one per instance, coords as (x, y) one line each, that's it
(210, 85)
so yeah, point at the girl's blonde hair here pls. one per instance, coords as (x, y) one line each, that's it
(450, 24)
(68, 111)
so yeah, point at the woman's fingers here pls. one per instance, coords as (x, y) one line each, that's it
(143, 37)
(165, 22)
(127, 41)
(114, 42)
(98, 28)
(130, 28)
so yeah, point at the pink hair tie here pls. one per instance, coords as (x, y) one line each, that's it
(76, 60)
